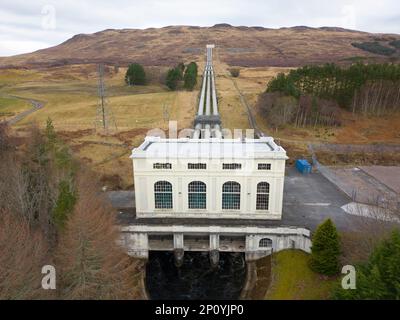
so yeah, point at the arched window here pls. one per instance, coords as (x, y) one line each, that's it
(197, 195)
(262, 196)
(163, 195)
(265, 243)
(231, 195)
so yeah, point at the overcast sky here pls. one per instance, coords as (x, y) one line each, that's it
(28, 25)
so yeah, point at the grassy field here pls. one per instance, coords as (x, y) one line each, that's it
(11, 106)
(70, 99)
(299, 283)
(357, 129)
(69, 94)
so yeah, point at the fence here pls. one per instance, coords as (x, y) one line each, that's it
(387, 200)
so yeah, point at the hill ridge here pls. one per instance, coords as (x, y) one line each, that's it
(249, 46)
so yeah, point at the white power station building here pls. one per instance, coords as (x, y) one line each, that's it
(209, 192)
(209, 178)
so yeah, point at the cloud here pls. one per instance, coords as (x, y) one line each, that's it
(27, 25)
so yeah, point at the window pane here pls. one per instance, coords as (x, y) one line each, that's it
(231, 187)
(163, 195)
(263, 187)
(197, 195)
(163, 200)
(231, 201)
(264, 166)
(199, 166)
(197, 200)
(197, 186)
(262, 202)
(265, 243)
(163, 186)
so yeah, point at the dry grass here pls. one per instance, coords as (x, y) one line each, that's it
(247, 47)
(11, 106)
(70, 96)
(356, 129)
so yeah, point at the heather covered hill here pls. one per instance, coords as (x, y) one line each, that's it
(241, 46)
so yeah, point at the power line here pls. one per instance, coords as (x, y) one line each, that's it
(104, 117)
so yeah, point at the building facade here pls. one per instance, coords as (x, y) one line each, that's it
(209, 178)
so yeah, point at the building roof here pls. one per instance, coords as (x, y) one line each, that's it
(156, 147)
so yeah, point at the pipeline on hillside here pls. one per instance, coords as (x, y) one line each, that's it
(208, 103)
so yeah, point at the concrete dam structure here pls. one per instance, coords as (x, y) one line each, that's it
(208, 192)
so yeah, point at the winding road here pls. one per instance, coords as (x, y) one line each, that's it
(36, 105)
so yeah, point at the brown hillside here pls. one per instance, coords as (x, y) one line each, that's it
(242, 46)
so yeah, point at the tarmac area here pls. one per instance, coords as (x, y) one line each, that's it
(308, 200)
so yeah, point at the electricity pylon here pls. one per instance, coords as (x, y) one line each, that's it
(105, 121)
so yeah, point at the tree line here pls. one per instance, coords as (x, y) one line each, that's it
(376, 277)
(341, 84)
(374, 47)
(136, 75)
(52, 212)
(181, 72)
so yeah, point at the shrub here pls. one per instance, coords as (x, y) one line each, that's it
(190, 77)
(65, 203)
(235, 72)
(173, 77)
(135, 75)
(325, 249)
(379, 277)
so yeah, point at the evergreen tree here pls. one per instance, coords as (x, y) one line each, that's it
(379, 277)
(339, 84)
(173, 77)
(50, 134)
(325, 249)
(135, 75)
(190, 77)
(65, 203)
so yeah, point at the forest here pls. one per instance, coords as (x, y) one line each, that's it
(314, 95)
(374, 47)
(52, 212)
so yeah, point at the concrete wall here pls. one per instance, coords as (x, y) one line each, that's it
(135, 239)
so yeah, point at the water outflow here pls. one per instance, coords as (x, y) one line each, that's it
(195, 279)
(208, 103)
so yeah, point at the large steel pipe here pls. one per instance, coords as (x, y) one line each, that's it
(202, 94)
(214, 95)
(208, 94)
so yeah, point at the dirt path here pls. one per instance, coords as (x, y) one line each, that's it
(252, 122)
(36, 105)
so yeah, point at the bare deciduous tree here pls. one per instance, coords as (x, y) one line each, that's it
(23, 253)
(91, 263)
(371, 224)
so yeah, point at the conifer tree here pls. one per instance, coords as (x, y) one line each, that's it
(379, 277)
(190, 77)
(325, 249)
(135, 75)
(173, 76)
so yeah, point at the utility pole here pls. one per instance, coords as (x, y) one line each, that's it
(165, 112)
(102, 94)
(104, 116)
